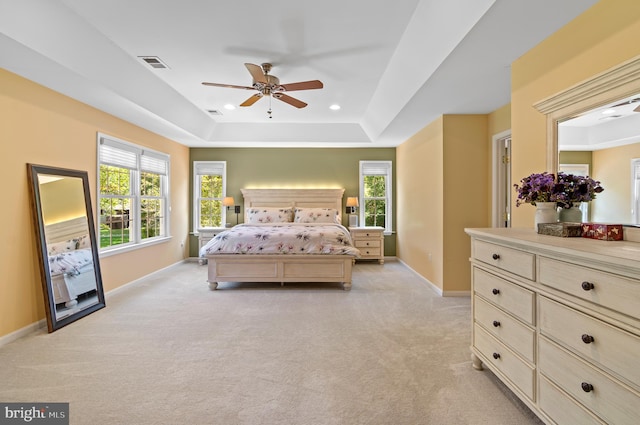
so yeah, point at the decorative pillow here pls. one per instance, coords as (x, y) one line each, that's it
(316, 215)
(60, 247)
(83, 242)
(269, 215)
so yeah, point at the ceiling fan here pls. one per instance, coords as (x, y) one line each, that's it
(269, 85)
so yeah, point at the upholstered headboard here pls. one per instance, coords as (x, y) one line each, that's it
(307, 198)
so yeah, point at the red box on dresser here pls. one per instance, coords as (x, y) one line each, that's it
(602, 231)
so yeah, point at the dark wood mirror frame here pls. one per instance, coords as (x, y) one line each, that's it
(87, 272)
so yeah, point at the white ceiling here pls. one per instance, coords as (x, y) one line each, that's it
(393, 66)
(608, 126)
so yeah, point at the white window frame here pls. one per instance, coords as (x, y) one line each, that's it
(147, 160)
(378, 168)
(207, 168)
(635, 190)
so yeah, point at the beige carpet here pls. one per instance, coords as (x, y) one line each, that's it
(167, 350)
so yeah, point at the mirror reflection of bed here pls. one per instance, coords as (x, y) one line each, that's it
(71, 266)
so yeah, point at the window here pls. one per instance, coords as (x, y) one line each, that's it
(209, 188)
(133, 188)
(375, 194)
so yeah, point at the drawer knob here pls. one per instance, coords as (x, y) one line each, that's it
(587, 286)
(495, 291)
(496, 356)
(587, 339)
(496, 323)
(495, 256)
(587, 387)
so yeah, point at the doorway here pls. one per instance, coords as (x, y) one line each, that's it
(501, 179)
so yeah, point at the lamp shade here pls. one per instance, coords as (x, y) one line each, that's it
(228, 201)
(352, 202)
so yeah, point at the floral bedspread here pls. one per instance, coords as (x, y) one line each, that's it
(70, 262)
(282, 238)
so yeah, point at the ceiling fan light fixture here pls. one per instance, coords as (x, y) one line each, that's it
(229, 107)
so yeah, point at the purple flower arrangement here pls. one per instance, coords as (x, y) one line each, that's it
(565, 190)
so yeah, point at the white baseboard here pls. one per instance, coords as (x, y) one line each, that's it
(33, 327)
(114, 290)
(36, 326)
(437, 289)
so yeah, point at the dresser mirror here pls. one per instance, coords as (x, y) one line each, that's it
(68, 253)
(594, 128)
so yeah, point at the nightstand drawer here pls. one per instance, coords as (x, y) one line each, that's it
(367, 234)
(508, 296)
(509, 259)
(504, 327)
(363, 243)
(606, 397)
(606, 289)
(505, 360)
(594, 340)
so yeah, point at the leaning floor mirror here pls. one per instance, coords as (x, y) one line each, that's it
(68, 253)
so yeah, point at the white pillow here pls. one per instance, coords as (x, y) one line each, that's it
(316, 215)
(265, 215)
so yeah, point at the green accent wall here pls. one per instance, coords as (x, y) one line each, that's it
(292, 168)
(576, 157)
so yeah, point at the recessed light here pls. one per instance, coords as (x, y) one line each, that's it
(229, 107)
(609, 111)
(334, 107)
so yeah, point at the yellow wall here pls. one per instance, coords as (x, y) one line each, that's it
(613, 166)
(64, 200)
(465, 193)
(599, 39)
(419, 185)
(43, 127)
(440, 174)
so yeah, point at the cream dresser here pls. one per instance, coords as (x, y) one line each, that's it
(558, 321)
(370, 241)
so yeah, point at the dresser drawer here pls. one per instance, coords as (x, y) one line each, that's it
(562, 408)
(507, 329)
(509, 296)
(509, 259)
(612, 348)
(506, 361)
(609, 290)
(609, 399)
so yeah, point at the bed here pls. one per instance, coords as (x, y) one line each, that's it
(70, 260)
(320, 249)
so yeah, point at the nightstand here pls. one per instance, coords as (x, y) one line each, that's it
(370, 241)
(204, 236)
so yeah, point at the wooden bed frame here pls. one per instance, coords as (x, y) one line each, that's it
(284, 268)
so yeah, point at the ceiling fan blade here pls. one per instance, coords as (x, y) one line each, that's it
(637, 109)
(228, 86)
(256, 73)
(303, 85)
(290, 100)
(253, 99)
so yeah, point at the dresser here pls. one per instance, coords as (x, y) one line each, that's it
(558, 321)
(370, 241)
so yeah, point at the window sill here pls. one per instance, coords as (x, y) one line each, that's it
(108, 252)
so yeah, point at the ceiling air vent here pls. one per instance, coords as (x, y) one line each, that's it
(214, 112)
(154, 62)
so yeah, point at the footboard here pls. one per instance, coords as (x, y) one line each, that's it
(279, 268)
